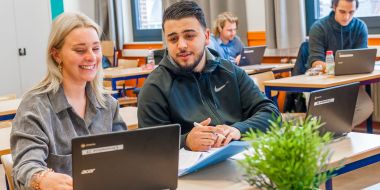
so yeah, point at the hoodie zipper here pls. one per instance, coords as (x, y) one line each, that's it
(198, 88)
(211, 101)
(209, 105)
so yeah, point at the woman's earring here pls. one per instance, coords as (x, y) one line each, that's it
(60, 67)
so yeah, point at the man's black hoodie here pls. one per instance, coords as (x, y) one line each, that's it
(222, 92)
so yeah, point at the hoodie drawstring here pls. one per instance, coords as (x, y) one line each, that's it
(341, 38)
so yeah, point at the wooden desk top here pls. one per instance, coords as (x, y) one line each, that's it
(9, 106)
(129, 115)
(228, 176)
(4, 140)
(127, 72)
(354, 147)
(223, 176)
(321, 81)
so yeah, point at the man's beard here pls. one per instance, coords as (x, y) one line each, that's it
(191, 67)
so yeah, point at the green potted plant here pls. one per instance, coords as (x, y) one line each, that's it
(289, 156)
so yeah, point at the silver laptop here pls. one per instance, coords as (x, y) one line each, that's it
(355, 61)
(252, 55)
(335, 106)
(145, 158)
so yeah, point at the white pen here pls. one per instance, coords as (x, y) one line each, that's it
(197, 124)
(218, 135)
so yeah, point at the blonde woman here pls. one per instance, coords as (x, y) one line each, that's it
(224, 39)
(67, 103)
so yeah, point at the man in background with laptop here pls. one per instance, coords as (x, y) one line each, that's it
(338, 31)
(224, 40)
(193, 84)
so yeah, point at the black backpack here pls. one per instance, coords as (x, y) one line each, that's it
(295, 101)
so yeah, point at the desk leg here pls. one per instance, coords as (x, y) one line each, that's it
(268, 92)
(369, 120)
(113, 84)
(328, 184)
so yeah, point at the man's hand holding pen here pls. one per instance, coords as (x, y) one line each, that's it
(204, 137)
(229, 133)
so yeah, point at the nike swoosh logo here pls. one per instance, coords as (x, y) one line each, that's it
(220, 88)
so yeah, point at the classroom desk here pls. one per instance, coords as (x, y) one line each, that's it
(303, 83)
(353, 152)
(118, 74)
(8, 108)
(278, 68)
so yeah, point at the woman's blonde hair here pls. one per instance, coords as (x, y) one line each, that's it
(61, 27)
(221, 21)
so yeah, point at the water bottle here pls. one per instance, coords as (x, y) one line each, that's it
(330, 63)
(150, 60)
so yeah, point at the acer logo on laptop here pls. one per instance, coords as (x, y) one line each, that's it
(88, 171)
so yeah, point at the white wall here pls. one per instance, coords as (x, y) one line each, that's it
(9, 73)
(24, 27)
(88, 7)
(85, 6)
(128, 34)
(255, 15)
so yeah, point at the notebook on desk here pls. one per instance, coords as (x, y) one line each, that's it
(335, 107)
(144, 158)
(355, 61)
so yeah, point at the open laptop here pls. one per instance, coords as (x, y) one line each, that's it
(335, 106)
(251, 58)
(145, 158)
(252, 55)
(355, 61)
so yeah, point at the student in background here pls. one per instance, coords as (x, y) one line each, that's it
(224, 40)
(340, 30)
(193, 84)
(67, 103)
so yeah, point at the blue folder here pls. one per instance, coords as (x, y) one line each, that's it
(222, 154)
